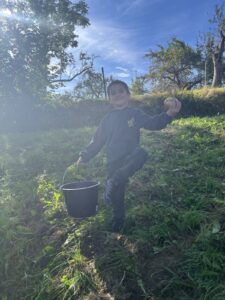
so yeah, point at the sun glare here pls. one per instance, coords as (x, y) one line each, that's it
(5, 13)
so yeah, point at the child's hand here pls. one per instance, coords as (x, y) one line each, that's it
(172, 106)
(79, 161)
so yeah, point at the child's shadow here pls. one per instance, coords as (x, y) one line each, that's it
(113, 258)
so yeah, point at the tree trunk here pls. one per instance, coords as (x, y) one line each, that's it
(218, 63)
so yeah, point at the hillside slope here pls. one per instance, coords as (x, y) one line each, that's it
(172, 246)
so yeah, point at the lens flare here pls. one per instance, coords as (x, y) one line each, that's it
(5, 13)
(11, 16)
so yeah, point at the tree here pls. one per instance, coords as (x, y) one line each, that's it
(34, 40)
(91, 86)
(204, 45)
(138, 85)
(175, 66)
(217, 44)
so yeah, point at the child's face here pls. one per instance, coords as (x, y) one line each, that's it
(118, 96)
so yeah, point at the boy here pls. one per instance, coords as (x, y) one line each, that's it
(120, 132)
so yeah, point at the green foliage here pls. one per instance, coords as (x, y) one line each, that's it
(34, 37)
(212, 48)
(90, 87)
(138, 86)
(65, 112)
(175, 66)
(197, 102)
(172, 245)
(49, 195)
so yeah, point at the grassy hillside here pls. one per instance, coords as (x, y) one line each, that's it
(173, 243)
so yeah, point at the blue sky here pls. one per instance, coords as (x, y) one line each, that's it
(122, 31)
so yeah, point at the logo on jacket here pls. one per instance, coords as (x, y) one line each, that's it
(131, 122)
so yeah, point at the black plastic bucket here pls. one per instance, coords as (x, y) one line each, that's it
(81, 198)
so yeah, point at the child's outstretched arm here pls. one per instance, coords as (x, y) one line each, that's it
(159, 121)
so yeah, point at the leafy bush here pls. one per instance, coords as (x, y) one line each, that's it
(198, 102)
(65, 113)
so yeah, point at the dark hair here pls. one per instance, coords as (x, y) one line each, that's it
(118, 82)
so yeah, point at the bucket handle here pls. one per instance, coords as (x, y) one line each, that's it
(64, 175)
(66, 171)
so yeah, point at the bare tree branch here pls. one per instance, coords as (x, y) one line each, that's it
(190, 85)
(73, 77)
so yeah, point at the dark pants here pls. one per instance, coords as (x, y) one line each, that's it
(122, 170)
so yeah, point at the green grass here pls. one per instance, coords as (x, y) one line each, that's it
(172, 245)
(202, 102)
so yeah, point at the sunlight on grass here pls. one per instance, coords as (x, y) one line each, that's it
(172, 245)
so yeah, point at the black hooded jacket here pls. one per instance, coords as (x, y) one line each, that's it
(120, 132)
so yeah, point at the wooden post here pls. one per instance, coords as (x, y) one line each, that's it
(104, 83)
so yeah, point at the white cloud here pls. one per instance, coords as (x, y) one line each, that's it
(131, 6)
(109, 42)
(122, 75)
(123, 72)
(122, 69)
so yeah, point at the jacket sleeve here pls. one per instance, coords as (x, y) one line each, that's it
(156, 122)
(96, 143)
